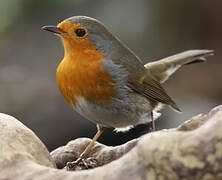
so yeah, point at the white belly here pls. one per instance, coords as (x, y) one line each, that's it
(119, 114)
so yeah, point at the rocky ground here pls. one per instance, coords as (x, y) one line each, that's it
(191, 151)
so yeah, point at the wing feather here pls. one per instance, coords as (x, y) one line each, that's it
(152, 89)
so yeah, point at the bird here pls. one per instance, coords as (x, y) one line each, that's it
(107, 83)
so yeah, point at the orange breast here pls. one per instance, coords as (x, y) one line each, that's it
(80, 75)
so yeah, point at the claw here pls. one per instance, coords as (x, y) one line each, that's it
(73, 165)
(70, 166)
(85, 164)
(81, 163)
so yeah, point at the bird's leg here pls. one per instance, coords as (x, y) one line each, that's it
(87, 150)
(153, 122)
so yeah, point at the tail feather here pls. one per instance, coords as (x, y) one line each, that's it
(198, 60)
(164, 68)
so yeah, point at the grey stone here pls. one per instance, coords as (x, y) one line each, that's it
(191, 151)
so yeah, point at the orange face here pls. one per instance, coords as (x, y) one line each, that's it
(80, 74)
(75, 33)
(76, 39)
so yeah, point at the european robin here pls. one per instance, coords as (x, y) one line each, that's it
(104, 81)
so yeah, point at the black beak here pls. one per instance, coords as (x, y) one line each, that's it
(53, 29)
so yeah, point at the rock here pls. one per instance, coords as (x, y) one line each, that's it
(101, 153)
(191, 151)
(16, 140)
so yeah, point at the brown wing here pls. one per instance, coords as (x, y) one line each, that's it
(152, 89)
(139, 78)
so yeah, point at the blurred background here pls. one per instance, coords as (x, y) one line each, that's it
(153, 29)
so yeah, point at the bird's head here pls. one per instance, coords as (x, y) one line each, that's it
(84, 31)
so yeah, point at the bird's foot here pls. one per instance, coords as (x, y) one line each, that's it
(81, 163)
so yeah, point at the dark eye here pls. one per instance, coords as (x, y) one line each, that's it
(80, 32)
